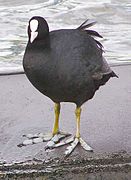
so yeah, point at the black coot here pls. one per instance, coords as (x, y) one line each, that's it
(67, 65)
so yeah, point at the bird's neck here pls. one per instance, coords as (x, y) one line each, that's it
(39, 44)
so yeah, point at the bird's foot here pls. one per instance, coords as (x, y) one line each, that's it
(73, 141)
(41, 137)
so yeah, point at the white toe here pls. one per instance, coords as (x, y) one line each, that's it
(55, 138)
(27, 142)
(50, 144)
(64, 142)
(70, 148)
(37, 140)
(47, 137)
(85, 145)
(30, 136)
(41, 137)
(64, 133)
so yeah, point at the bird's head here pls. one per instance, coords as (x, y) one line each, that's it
(37, 29)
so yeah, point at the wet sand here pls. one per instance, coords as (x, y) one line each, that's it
(105, 125)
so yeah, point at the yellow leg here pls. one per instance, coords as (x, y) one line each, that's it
(78, 113)
(56, 124)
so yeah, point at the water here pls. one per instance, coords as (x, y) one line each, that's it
(113, 17)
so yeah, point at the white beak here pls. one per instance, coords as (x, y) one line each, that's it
(34, 34)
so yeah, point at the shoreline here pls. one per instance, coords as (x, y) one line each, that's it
(19, 70)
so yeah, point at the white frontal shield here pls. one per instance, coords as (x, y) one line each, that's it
(33, 28)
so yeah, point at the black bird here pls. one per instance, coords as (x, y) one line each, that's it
(67, 65)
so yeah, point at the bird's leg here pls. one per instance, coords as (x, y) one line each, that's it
(57, 135)
(78, 114)
(53, 137)
(57, 114)
(77, 138)
(74, 141)
(56, 130)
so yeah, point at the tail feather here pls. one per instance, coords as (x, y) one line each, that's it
(104, 79)
(99, 44)
(93, 33)
(86, 24)
(113, 74)
(106, 71)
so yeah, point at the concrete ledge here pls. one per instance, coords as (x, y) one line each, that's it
(11, 71)
(113, 165)
(19, 70)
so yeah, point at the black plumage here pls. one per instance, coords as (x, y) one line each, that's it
(67, 65)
